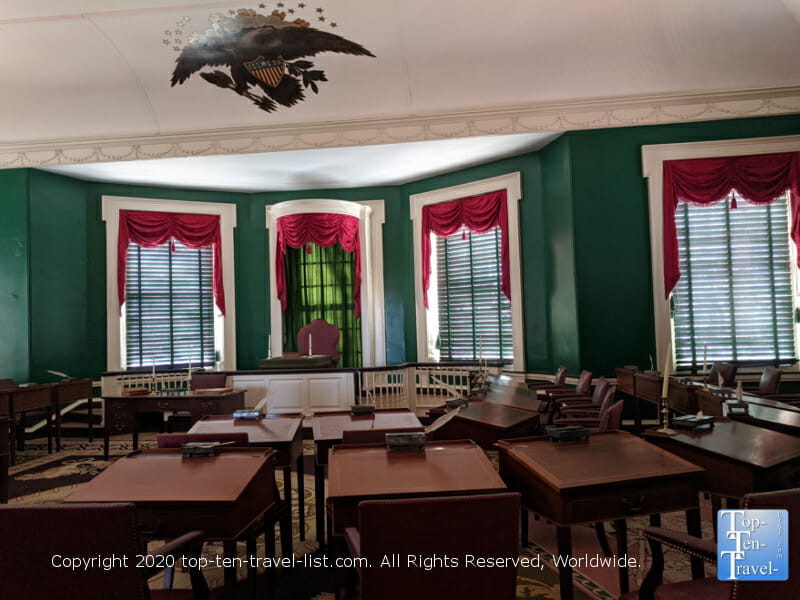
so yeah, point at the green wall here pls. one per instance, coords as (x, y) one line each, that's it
(612, 234)
(14, 289)
(584, 239)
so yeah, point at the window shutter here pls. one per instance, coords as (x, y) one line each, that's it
(735, 290)
(474, 315)
(169, 306)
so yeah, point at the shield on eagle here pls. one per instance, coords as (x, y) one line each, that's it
(267, 71)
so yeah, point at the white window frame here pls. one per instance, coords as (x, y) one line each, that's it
(512, 184)
(224, 326)
(371, 216)
(653, 157)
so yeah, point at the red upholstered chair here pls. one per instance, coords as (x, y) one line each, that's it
(482, 525)
(324, 339)
(728, 372)
(557, 383)
(713, 589)
(579, 402)
(205, 381)
(176, 440)
(34, 536)
(591, 418)
(582, 388)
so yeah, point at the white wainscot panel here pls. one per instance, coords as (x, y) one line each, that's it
(286, 393)
(255, 387)
(329, 392)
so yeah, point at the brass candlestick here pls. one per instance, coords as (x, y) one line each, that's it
(665, 417)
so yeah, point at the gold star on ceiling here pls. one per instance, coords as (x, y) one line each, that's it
(319, 10)
(322, 19)
(290, 11)
(333, 23)
(280, 4)
(262, 5)
(300, 5)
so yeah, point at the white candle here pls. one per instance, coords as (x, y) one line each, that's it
(705, 353)
(739, 390)
(480, 349)
(309, 345)
(667, 363)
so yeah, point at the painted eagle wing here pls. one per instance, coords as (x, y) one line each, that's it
(209, 49)
(307, 41)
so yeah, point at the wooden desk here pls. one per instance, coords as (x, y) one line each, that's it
(610, 476)
(226, 496)
(516, 397)
(485, 422)
(784, 421)
(4, 455)
(328, 428)
(738, 458)
(282, 433)
(369, 472)
(66, 392)
(121, 411)
(23, 399)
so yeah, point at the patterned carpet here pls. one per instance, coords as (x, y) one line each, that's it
(38, 478)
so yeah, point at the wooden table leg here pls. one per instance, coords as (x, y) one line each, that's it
(319, 501)
(564, 537)
(229, 551)
(622, 549)
(523, 526)
(301, 496)
(252, 554)
(693, 527)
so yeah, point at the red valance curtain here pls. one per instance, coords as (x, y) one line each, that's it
(479, 214)
(759, 179)
(324, 230)
(151, 229)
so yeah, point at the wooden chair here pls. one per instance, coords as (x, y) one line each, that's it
(558, 381)
(579, 402)
(582, 388)
(481, 525)
(714, 589)
(769, 383)
(206, 381)
(594, 418)
(40, 539)
(726, 370)
(324, 339)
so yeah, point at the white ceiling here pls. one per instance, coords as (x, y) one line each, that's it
(355, 166)
(84, 81)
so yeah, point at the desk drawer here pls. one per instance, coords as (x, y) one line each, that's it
(607, 505)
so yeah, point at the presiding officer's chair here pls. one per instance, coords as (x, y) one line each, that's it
(484, 525)
(40, 540)
(324, 339)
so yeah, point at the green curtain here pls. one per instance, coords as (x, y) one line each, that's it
(319, 285)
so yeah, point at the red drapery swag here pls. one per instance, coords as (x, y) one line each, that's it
(151, 229)
(759, 179)
(324, 230)
(479, 214)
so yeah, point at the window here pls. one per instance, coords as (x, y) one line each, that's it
(734, 296)
(473, 319)
(469, 315)
(169, 306)
(117, 330)
(320, 285)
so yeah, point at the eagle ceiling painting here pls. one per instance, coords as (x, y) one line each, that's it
(263, 54)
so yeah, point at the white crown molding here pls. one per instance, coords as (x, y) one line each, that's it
(622, 111)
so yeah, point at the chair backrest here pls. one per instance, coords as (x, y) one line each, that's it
(371, 436)
(584, 382)
(6, 384)
(324, 339)
(770, 381)
(176, 440)
(599, 393)
(481, 525)
(758, 590)
(40, 539)
(728, 372)
(611, 418)
(205, 381)
(561, 376)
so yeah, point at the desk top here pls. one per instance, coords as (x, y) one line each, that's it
(272, 429)
(519, 398)
(738, 442)
(328, 427)
(209, 394)
(494, 415)
(443, 467)
(605, 458)
(771, 418)
(162, 476)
